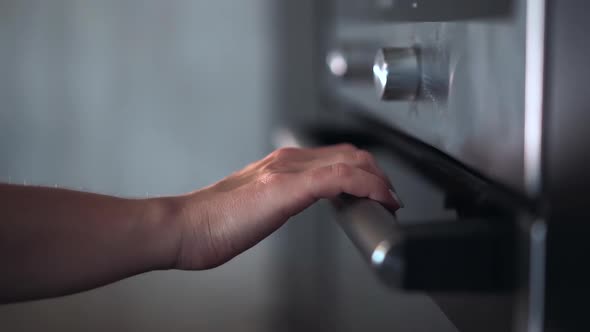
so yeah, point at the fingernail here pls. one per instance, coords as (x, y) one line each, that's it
(396, 197)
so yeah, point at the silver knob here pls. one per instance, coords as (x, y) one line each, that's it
(397, 73)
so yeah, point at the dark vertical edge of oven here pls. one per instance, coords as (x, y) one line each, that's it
(566, 164)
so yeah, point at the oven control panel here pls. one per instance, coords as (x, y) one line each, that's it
(449, 73)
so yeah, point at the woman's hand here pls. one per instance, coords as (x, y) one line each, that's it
(57, 241)
(223, 220)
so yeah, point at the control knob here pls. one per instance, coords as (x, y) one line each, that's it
(396, 72)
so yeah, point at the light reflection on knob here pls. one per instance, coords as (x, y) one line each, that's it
(337, 63)
(352, 62)
(396, 72)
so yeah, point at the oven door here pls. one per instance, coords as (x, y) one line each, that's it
(457, 239)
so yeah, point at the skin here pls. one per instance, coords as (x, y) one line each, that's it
(55, 242)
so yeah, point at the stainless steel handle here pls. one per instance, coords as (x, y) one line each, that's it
(454, 255)
(466, 255)
(373, 230)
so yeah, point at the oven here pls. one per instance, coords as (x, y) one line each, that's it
(478, 111)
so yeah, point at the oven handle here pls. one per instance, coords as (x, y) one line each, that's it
(454, 255)
(376, 234)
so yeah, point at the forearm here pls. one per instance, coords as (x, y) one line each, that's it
(55, 242)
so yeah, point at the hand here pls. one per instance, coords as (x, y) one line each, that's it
(226, 218)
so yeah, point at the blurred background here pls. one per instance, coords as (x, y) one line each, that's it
(139, 98)
(147, 97)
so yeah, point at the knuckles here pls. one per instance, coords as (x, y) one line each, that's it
(338, 170)
(273, 178)
(363, 157)
(280, 160)
(284, 153)
(276, 166)
(341, 170)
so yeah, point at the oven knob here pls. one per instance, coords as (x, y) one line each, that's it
(396, 72)
(351, 62)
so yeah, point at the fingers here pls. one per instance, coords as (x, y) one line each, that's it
(357, 158)
(294, 159)
(307, 154)
(327, 172)
(330, 181)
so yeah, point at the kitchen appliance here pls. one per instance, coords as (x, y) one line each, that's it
(485, 102)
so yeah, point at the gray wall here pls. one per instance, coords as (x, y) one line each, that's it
(135, 98)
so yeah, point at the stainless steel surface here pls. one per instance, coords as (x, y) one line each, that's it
(502, 91)
(397, 73)
(471, 101)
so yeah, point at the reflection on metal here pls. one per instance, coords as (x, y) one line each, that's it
(337, 63)
(537, 276)
(397, 73)
(534, 76)
(380, 253)
(380, 73)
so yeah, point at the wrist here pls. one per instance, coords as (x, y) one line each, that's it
(163, 231)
